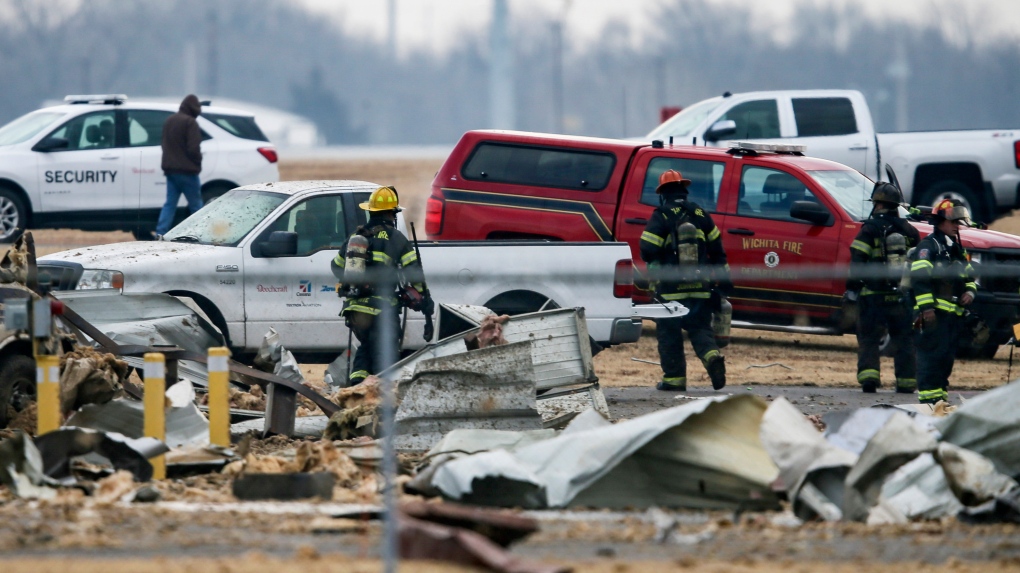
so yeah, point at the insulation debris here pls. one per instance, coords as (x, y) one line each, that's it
(90, 377)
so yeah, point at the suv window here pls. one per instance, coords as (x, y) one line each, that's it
(240, 126)
(824, 116)
(769, 193)
(755, 119)
(145, 127)
(319, 223)
(88, 131)
(705, 176)
(540, 166)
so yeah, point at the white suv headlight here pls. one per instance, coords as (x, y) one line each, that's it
(92, 279)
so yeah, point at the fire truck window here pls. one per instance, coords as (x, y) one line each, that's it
(755, 119)
(705, 176)
(824, 116)
(769, 194)
(540, 166)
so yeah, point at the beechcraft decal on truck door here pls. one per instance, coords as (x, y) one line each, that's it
(580, 208)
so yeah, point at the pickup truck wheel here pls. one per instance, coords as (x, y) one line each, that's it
(13, 215)
(17, 386)
(957, 191)
(520, 302)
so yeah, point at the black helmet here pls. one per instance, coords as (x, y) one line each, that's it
(886, 193)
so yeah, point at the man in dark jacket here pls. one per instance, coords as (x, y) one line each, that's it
(370, 276)
(182, 161)
(683, 249)
(881, 245)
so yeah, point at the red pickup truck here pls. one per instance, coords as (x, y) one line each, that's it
(779, 213)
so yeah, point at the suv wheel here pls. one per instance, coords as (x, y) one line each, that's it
(13, 215)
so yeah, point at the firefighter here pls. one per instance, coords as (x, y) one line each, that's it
(880, 248)
(370, 267)
(941, 277)
(685, 257)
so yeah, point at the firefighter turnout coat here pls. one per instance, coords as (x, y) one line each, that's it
(661, 251)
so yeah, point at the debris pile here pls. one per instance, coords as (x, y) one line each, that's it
(90, 377)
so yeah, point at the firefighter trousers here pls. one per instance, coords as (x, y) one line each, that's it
(669, 333)
(885, 313)
(379, 345)
(936, 352)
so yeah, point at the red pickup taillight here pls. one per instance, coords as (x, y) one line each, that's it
(269, 153)
(434, 215)
(623, 279)
(1016, 153)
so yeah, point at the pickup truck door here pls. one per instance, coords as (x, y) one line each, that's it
(765, 246)
(296, 294)
(87, 175)
(640, 198)
(830, 129)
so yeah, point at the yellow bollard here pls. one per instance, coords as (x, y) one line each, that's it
(47, 387)
(219, 397)
(155, 406)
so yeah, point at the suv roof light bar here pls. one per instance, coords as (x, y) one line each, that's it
(96, 99)
(749, 148)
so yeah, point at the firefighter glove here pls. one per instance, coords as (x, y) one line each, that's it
(966, 298)
(428, 306)
(851, 296)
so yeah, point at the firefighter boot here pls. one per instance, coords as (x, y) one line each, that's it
(678, 384)
(717, 371)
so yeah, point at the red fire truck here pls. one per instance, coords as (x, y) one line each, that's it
(779, 213)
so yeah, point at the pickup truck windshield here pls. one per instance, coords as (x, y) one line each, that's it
(681, 124)
(228, 219)
(849, 188)
(26, 126)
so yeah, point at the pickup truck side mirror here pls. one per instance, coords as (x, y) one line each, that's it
(52, 144)
(279, 244)
(721, 130)
(812, 212)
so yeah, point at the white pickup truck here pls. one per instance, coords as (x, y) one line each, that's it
(258, 257)
(979, 167)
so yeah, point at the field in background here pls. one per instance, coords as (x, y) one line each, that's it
(802, 359)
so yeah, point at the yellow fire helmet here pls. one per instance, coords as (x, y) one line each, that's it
(382, 199)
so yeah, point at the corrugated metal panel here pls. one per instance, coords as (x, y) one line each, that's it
(561, 349)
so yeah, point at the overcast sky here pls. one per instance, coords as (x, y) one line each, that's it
(435, 24)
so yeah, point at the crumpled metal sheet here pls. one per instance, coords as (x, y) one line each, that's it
(21, 469)
(490, 388)
(705, 454)
(60, 446)
(972, 476)
(916, 490)
(989, 424)
(805, 459)
(851, 430)
(896, 442)
(185, 425)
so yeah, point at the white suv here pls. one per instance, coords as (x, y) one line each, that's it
(94, 163)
